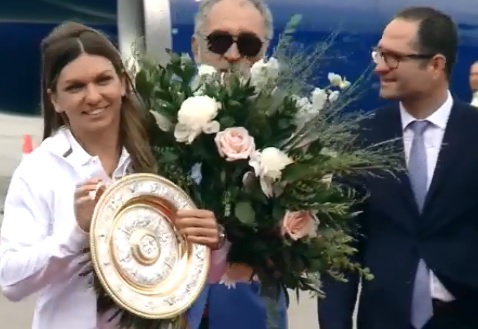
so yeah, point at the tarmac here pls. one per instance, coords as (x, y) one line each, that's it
(302, 314)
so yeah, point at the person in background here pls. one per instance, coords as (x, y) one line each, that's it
(418, 227)
(233, 32)
(474, 83)
(229, 32)
(94, 131)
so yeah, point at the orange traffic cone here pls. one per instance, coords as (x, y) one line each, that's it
(27, 147)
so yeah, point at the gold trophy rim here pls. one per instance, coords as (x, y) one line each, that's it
(103, 201)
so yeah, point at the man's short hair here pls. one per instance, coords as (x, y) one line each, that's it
(437, 33)
(206, 5)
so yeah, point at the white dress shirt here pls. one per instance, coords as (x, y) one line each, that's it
(433, 137)
(41, 246)
(474, 99)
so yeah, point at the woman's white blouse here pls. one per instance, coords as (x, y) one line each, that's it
(41, 246)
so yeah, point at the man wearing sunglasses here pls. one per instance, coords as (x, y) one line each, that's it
(419, 227)
(233, 32)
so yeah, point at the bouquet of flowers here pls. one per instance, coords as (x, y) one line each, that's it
(259, 148)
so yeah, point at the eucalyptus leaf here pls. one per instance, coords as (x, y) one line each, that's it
(169, 156)
(223, 176)
(292, 25)
(245, 213)
(278, 212)
(142, 85)
(227, 122)
(298, 171)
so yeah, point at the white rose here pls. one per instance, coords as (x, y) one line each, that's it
(270, 162)
(334, 95)
(305, 110)
(205, 74)
(268, 165)
(319, 98)
(334, 79)
(264, 71)
(302, 102)
(337, 81)
(195, 117)
(345, 84)
(206, 70)
(308, 109)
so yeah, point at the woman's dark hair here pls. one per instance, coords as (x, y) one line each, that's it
(66, 43)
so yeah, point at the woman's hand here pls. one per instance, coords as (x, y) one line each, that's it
(85, 202)
(199, 226)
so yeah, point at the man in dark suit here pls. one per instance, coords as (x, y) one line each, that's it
(419, 229)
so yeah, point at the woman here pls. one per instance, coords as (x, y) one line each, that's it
(93, 131)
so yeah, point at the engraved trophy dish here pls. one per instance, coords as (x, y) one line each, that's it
(140, 259)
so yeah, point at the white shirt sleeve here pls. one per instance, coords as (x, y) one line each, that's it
(30, 258)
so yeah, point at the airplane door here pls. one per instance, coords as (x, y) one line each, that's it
(145, 26)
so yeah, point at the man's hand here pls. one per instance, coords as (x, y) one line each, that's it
(199, 226)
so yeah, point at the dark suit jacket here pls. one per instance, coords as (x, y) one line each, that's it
(396, 236)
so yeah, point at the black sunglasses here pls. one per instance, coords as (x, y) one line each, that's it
(248, 44)
(392, 60)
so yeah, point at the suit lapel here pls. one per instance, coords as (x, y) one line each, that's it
(448, 153)
(392, 130)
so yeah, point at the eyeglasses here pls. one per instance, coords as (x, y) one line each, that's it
(248, 44)
(392, 60)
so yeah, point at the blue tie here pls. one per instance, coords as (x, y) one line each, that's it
(417, 162)
(422, 308)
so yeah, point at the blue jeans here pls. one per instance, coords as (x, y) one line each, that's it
(234, 308)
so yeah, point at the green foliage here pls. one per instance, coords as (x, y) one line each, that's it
(278, 111)
(251, 218)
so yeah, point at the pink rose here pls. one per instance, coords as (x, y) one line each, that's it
(235, 143)
(298, 224)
